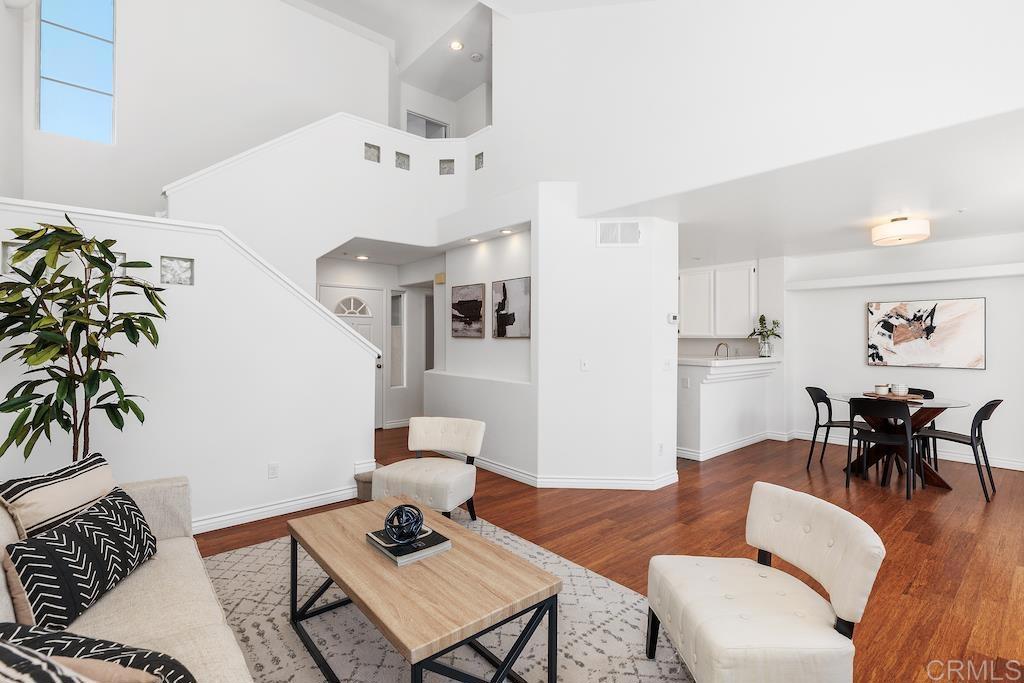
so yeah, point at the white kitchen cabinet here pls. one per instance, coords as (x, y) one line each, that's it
(718, 302)
(696, 303)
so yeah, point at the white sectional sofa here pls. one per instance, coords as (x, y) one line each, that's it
(168, 604)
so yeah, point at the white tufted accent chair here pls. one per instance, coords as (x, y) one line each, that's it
(442, 484)
(734, 620)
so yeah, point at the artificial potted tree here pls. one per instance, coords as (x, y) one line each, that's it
(764, 335)
(59, 317)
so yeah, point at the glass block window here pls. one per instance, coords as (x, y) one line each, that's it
(371, 152)
(446, 166)
(76, 68)
(402, 161)
(175, 270)
(478, 161)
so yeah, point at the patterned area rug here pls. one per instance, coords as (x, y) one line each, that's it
(601, 625)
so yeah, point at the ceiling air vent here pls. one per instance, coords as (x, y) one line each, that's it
(618, 234)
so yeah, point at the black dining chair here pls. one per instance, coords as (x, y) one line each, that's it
(820, 398)
(976, 440)
(900, 433)
(930, 447)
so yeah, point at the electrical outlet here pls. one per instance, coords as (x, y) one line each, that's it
(661, 448)
(584, 365)
(272, 469)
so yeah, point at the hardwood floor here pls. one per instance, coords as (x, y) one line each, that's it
(951, 586)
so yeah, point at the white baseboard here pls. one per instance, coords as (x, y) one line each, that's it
(842, 439)
(396, 424)
(281, 507)
(617, 483)
(722, 449)
(514, 473)
(364, 466)
(531, 479)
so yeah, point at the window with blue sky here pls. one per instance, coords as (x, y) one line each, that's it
(76, 68)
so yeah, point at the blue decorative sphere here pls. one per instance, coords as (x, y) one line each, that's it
(403, 524)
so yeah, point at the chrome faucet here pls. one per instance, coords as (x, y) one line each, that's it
(720, 345)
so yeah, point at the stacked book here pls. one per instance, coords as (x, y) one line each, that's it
(428, 543)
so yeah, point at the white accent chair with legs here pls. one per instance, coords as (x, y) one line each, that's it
(442, 484)
(734, 620)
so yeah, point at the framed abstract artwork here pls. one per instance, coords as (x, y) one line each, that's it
(468, 311)
(510, 300)
(940, 333)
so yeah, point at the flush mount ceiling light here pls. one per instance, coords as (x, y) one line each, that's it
(901, 231)
(362, 258)
(456, 45)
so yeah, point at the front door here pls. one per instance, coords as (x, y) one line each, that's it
(363, 310)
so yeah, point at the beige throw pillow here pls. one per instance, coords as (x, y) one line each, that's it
(40, 503)
(105, 672)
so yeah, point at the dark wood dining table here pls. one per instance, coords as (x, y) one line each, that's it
(922, 413)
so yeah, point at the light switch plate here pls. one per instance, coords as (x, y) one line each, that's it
(584, 365)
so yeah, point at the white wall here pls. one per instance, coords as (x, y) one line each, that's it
(612, 421)
(198, 81)
(400, 402)
(473, 111)
(10, 95)
(225, 395)
(300, 196)
(427, 104)
(825, 333)
(640, 100)
(497, 259)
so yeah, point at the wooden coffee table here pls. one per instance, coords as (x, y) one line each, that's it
(431, 607)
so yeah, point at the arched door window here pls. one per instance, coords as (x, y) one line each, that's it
(353, 305)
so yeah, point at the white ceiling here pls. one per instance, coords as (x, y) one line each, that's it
(514, 7)
(968, 179)
(452, 74)
(387, 253)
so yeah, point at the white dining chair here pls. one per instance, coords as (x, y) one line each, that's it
(734, 620)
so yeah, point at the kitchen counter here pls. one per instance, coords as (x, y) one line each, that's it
(722, 361)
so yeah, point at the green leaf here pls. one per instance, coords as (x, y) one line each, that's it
(134, 407)
(40, 357)
(52, 254)
(32, 442)
(61, 392)
(92, 383)
(136, 264)
(51, 337)
(114, 415)
(131, 331)
(18, 402)
(19, 423)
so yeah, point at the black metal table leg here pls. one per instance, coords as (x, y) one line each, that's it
(546, 608)
(553, 640)
(307, 611)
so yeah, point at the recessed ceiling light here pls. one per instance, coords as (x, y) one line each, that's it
(506, 232)
(456, 45)
(362, 258)
(474, 240)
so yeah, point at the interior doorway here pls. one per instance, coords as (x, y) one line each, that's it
(424, 126)
(363, 309)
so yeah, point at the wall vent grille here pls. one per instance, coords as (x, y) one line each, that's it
(624, 234)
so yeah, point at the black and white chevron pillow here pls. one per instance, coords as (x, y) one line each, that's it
(20, 664)
(55, 576)
(64, 644)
